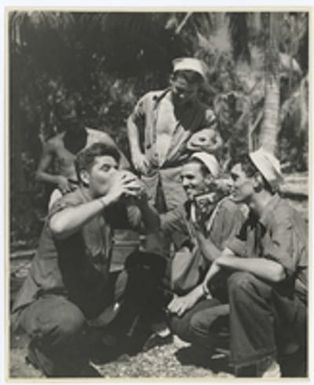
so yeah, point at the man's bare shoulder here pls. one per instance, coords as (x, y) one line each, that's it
(55, 142)
(95, 136)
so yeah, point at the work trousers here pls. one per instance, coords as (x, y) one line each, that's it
(263, 321)
(59, 328)
(200, 324)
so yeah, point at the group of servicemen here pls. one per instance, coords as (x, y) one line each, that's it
(208, 255)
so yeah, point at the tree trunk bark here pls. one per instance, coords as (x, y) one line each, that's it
(270, 126)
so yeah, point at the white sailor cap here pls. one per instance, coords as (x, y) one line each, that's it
(209, 161)
(268, 165)
(190, 64)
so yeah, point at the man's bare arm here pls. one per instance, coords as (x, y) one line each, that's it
(44, 164)
(138, 158)
(208, 249)
(42, 174)
(215, 268)
(133, 136)
(261, 267)
(68, 221)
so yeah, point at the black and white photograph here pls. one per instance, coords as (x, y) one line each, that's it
(158, 204)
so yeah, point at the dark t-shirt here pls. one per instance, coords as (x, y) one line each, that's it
(77, 267)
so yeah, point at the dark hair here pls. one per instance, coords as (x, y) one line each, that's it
(75, 137)
(250, 169)
(67, 109)
(85, 159)
(190, 77)
(246, 164)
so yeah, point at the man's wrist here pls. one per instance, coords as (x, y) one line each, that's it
(59, 178)
(104, 202)
(135, 151)
(205, 289)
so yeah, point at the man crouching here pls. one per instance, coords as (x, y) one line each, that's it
(69, 283)
(200, 229)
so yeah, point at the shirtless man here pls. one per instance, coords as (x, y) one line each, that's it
(60, 152)
(161, 130)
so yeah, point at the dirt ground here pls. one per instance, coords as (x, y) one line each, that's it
(176, 359)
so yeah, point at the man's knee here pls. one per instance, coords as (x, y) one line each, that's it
(243, 285)
(71, 321)
(199, 325)
(241, 281)
(53, 317)
(180, 327)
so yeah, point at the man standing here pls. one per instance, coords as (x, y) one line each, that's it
(268, 287)
(209, 220)
(69, 284)
(160, 128)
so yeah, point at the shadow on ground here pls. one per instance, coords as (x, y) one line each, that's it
(176, 359)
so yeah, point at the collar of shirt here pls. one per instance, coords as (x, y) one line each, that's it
(193, 215)
(157, 98)
(167, 94)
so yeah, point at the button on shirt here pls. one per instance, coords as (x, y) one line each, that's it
(280, 234)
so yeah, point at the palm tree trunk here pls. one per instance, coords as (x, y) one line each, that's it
(270, 125)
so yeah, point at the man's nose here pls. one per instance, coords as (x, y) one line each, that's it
(114, 172)
(184, 182)
(229, 184)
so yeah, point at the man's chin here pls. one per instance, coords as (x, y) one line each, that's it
(190, 196)
(235, 198)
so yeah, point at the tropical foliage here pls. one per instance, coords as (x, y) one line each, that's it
(257, 82)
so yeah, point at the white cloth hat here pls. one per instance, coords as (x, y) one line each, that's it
(209, 161)
(190, 64)
(268, 165)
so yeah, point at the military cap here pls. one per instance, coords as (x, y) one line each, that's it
(190, 64)
(209, 161)
(268, 165)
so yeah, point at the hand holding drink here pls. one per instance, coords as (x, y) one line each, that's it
(133, 185)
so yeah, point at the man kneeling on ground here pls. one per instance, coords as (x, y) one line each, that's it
(268, 265)
(69, 285)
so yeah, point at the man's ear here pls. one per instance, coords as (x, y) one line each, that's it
(209, 180)
(84, 176)
(258, 182)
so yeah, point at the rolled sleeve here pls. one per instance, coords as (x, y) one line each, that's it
(138, 114)
(237, 246)
(280, 247)
(69, 200)
(227, 224)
